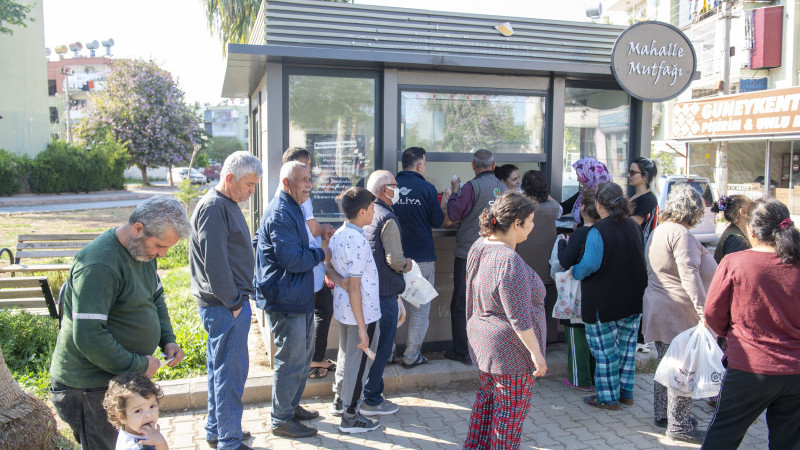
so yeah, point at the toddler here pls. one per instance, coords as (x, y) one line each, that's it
(131, 403)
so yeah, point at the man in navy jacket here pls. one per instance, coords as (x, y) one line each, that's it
(418, 211)
(284, 282)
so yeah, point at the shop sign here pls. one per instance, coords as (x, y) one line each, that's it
(653, 61)
(776, 111)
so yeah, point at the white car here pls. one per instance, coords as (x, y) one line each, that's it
(181, 173)
(706, 230)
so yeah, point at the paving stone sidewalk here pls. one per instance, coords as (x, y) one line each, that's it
(438, 418)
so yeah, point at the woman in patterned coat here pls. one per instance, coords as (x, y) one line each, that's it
(505, 324)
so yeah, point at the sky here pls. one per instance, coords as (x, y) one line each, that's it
(174, 33)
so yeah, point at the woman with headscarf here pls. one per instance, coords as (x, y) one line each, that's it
(591, 173)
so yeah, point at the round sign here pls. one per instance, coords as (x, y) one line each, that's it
(653, 61)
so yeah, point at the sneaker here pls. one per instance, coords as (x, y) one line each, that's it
(695, 436)
(384, 408)
(337, 409)
(294, 429)
(644, 348)
(214, 442)
(301, 413)
(357, 423)
(566, 383)
(662, 423)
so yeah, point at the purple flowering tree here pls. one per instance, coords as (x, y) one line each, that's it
(143, 108)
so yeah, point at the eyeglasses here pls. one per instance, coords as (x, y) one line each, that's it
(632, 173)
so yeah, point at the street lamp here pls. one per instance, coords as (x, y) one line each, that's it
(66, 71)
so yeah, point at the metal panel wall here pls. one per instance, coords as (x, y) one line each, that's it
(303, 23)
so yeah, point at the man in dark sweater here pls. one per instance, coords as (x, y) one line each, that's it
(114, 317)
(418, 211)
(464, 207)
(284, 282)
(221, 263)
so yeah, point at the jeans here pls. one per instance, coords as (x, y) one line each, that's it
(373, 390)
(82, 410)
(418, 318)
(323, 311)
(228, 363)
(293, 335)
(458, 308)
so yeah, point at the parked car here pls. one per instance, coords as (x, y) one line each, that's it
(181, 173)
(212, 172)
(706, 230)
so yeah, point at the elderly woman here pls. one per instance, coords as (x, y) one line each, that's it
(505, 324)
(613, 277)
(679, 270)
(753, 301)
(536, 250)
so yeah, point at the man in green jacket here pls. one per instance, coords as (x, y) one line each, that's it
(114, 317)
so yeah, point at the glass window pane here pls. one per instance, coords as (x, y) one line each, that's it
(463, 123)
(596, 124)
(334, 119)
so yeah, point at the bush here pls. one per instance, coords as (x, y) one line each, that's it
(177, 256)
(28, 342)
(71, 168)
(10, 173)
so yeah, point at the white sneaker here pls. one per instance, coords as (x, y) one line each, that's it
(384, 408)
(644, 348)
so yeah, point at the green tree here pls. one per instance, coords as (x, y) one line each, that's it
(218, 148)
(13, 13)
(143, 107)
(233, 21)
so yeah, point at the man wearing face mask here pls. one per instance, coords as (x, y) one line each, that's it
(383, 235)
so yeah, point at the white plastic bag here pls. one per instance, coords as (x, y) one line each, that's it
(555, 266)
(418, 290)
(568, 303)
(692, 366)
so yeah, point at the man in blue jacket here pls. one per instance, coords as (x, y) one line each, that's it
(418, 211)
(284, 282)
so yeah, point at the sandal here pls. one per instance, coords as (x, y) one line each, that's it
(317, 373)
(331, 365)
(420, 361)
(593, 401)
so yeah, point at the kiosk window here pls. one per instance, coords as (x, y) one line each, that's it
(333, 117)
(596, 123)
(462, 123)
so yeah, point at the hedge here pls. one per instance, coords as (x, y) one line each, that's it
(9, 173)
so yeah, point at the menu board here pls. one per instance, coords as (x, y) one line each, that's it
(337, 163)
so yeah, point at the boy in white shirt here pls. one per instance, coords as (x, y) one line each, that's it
(357, 309)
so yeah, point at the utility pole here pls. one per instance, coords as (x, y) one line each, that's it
(722, 147)
(66, 71)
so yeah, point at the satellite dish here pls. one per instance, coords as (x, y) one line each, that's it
(594, 9)
(92, 46)
(108, 44)
(75, 47)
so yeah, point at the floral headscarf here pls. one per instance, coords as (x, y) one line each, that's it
(591, 173)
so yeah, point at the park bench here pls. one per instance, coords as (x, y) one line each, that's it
(41, 246)
(33, 294)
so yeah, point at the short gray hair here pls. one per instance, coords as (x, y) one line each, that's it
(684, 205)
(378, 180)
(288, 169)
(241, 164)
(483, 159)
(159, 214)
